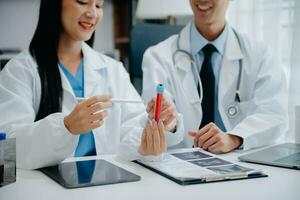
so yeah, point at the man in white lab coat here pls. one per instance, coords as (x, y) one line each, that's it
(231, 92)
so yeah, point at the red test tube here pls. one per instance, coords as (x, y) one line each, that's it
(158, 102)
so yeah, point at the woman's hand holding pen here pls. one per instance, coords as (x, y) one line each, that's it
(87, 115)
(167, 115)
(153, 139)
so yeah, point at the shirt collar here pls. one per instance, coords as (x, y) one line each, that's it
(92, 59)
(198, 41)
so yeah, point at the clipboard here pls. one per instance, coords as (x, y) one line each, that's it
(204, 168)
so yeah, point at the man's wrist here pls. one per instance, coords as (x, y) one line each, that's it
(237, 141)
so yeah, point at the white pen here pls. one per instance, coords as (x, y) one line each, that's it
(115, 100)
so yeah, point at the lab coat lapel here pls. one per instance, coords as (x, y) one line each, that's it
(94, 73)
(187, 79)
(186, 72)
(66, 84)
(229, 70)
(94, 82)
(69, 99)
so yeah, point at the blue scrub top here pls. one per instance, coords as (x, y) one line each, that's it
(77, 81)
(86, 144)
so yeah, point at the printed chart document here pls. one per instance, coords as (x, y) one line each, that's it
(191, 166)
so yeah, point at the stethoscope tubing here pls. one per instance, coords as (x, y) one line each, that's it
(232, 109)
(193, 63)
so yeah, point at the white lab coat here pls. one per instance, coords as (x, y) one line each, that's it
(263, 113)
(47, 141)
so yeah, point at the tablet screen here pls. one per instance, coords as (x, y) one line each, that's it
(88, 173)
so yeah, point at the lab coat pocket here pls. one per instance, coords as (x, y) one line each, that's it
(113, 128)
(242, 109)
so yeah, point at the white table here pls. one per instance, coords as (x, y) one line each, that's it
(281, 184)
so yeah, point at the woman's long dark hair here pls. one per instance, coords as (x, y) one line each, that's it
(43, 48)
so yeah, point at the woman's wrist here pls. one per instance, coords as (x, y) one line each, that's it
(67, 123)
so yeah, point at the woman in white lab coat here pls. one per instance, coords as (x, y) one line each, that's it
(38, 91)
(252, 86)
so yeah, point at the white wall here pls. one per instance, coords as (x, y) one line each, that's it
(294, 99)
(18, 19)
(105, 31)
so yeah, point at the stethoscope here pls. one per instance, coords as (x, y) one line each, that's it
(233, 109)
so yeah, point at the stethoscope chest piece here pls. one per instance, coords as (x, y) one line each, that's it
(232, 111)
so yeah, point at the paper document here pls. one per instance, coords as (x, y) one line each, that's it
(197, 164)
